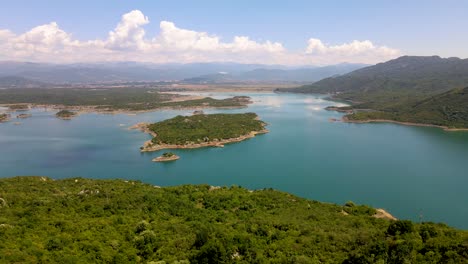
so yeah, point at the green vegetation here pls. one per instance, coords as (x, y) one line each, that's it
(18, 107)
(404, 90)
(204, 128)
(449, 109)
(168, 154)
(4, 117)
(115, 221)
(65, 114)
(132, 99)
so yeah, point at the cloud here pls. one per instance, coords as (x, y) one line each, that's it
(129, 33)
(128, 41)
(366, 50)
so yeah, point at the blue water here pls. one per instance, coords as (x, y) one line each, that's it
(410, 171)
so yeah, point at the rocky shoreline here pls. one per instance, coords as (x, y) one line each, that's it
(165, 159)
(149, 146)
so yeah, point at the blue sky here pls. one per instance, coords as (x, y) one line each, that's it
(411, 27)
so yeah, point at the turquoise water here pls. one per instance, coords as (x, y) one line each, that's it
(410, 171)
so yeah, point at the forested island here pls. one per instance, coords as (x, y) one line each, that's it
(65, 114)
(4, 117)
(201, 130)
(409, 90)
(111, 100)
(121, 221)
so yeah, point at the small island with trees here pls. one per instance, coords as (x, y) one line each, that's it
(166, 156)
(65, 114)
(197, 131)
(4, 117)
(23, 116)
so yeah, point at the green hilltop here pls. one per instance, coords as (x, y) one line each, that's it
(117, 221)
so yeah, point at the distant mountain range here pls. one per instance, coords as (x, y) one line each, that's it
(429, 90)
(277, 75)
(147, 72)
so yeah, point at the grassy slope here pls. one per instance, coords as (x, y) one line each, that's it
(88, 221)
(202, 128)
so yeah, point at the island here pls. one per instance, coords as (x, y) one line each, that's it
(198, 131)
(22, 116)
(65, 114)
(166, 156)
(4, 118)
(127, 221)
(18, 107)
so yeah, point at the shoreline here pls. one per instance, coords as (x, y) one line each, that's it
(149, 146)
(94, 109)
(445, 128)
(164, 159)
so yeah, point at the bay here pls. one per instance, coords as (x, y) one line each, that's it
(417, 173)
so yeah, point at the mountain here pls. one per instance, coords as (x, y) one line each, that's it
(124, 221)
(15, 81)
(410, 89)
(404, 78)
(82, 73)
(278, 75)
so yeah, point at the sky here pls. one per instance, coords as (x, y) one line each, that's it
(266, 32)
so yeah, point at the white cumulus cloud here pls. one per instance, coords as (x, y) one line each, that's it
(128, 41)
(352, 51)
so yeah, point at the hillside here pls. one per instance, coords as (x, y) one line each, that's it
(407, 74)
(401, 89)
(102, 221)
(449, 109)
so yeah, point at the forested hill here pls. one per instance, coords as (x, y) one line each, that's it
(424, 90)
(415, 74)
(449, 109)
(119, 221)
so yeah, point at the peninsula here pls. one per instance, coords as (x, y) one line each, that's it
(201, 130)
(410, 90)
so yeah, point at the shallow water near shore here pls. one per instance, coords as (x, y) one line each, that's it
(412, 172)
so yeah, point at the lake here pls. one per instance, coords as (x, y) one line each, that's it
(413, 172)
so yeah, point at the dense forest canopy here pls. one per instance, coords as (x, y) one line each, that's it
(118, 221)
